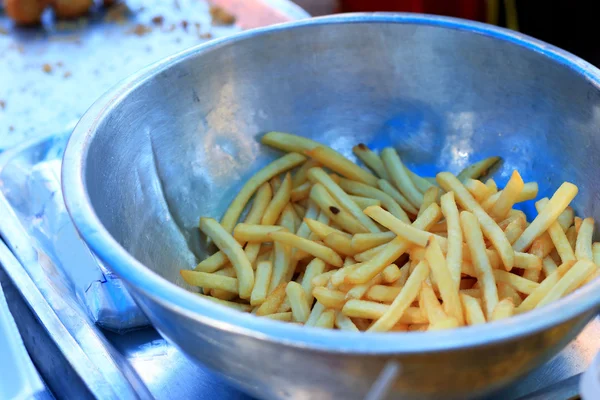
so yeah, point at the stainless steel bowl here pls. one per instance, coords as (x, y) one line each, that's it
(176, 141)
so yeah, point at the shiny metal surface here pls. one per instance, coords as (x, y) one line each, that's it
(176, 140)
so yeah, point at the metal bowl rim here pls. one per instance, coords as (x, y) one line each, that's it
(178, 300)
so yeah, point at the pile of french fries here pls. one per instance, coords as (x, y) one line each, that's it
(334, 245)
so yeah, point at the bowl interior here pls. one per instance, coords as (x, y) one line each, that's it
(181, 142)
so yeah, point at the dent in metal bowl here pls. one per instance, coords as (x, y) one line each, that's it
(177, 140)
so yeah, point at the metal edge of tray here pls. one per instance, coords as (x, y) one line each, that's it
(86, 351)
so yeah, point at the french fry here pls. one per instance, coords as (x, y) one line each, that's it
(473, 312)
(485, 276)
(370, 159)
(514, 230)
(259, 205)
(300, 192)
(548, 265)
(312, 248)
(583, 245)
(338, 163)
(253, 233)
(391, 273)
(577, 222)
(315, 268)
(326, 320)
(429, 303)
(344, 323)
(212, 263)
(572, 236)
(489, 227)
(596, 253)
(280, 199)
(315, 313)
(364, 202)
(312, 212)
(334, 211)
(318, 175)
(418, 328)
(361, 189)
(290, 215)
(330, 298)
(300, 211)
(393, 249)
(557, 204)
(264, 269)
(382, 293)
(569, 281)
(301, 176)
(322, 279)
(399, 176)
(339, 243)
(322, 230)
(358, 291)
(507, 291)
(441, 274)
(398, 197)
(297, 297)
(401, 303)
(369, 254)
(454, 254)
(341, 275)
(478, 169)
(566, 218)
(230, 304)
(275, 183)
(521, 284)
(234, 252)
(210, 281)
(421, 183)
(236, 207)
(273, 301)
(491, 184)
(282, 316)
(289, 142)
(529, 192)
(372, 310)
(429, 197)
(447, 323)
(282, 262)
(558, 236)
(504, 309)
(531, 301)
(472, 292)
(478, 189)
(508, 197)
(366, 241)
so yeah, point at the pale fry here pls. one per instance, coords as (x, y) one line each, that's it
(364, 202)
(447, 323)
(330, 298)
(429, 197)
(365, 241)
(289, 142)
(504, 309)
(372, 310)
(282, 316)
(361, 189)
(583, 246)
(489, 227)
(300, 211)
(322, 279)
(278, 166)
(322, 230)
(549, 265)
(491, 184)
(253, 233)
(481, 262)
(514, 230)
(596, 253)
(312, 212)
(399, 176)
(508, 197)
(473, 312)
(529, 192)
(234, 252)
(544, 288)
(478, 189)
(441, 274)
(408, 294)
(260, 204)
(569, 281)
(338, 163)
(454, 254)
(297, 297)
(212, 263)
(339, 243)
(334, 211)
(315, 313)
(358, 291)
(301, 176)
(210, 281)
(369, 254)
(398, 197)
(326, 320)
(300, 192)
(382, 293)
(521, 284)
(318, 175)
(273, 301)
(478, 169)
(558, 236)
(507, 291)
(370, 159)
(344, 323)
(282, 261)
(391, 273)
(429, 302)
(264, 269)
(314, 268)
(280, 199)
(557, 204)
(423, 184)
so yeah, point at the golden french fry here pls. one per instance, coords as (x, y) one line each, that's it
(315, 313)
(282, 316)
(330, 298)
(363, 190)
(300, 192)
(264, 269)
(583, 246)
(368, 254)
(391, 273)
(514, 216)
(333, 210)
(282, 264)
(570, 281)
(474, 239)
(289, 142)
(326, 320)
(558, 236)
(260, 204)
(529, 192)
(473, 312)
(234, 252)
(472, 292)
(478, 189)
(514, 230)
(572, 236)
(401, 303)
(371, 310)
(298, 301)
(210, 281)
(399, 176)
(320, 176)
(339, 243)
(429, 197)
(382, 293)
(393, 249)
(454, 254)
(358, 291)
(577, 222)
(280, 199)
(557, 204)
(521, 284)
(341, 165)
(447, 323)
(364, 202)
(478, 169)
(398, 197)
(301, 176)
(491, 184)
(312, 212)
(212, 263)
(312, 248)
(544, 288)
(273, 301)
(488, 204)
(548, 265)
(429, 303)
(344, 323)
(236, 207)
(504, 309)
(322, 230)
(230, 304)
(275, 183)
(253, 233)
(489, 227)
(507, 291)
(508, 197)
(366, 241)
(441, 274)
(322, 279)
(370, 159)
(315, 268)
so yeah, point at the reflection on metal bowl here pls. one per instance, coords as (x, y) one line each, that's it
(177, 140)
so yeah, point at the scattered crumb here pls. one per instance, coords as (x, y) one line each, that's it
(117, 13)
(184, 25)
(59, 64)
(206, 35)
(47, 68)
(2, 104)
(140, 30)
(171, 28)
(220, 16)
(67, 74)
(198, 29)
(11, 128)
(158, 20)
(334, 210)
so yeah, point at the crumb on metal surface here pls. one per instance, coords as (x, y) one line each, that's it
(184, 25)
(2, 104)
(47, 68)
(67, 74)
(206, 35)
(220, 16)
(11, 128)
(158, 20)
(59, 64)
(140, 30)
(117, 13)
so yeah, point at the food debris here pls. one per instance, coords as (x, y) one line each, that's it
(140, 30)
(67, 74)
(2, 104)
(206, 35)
(184, 25)
(158, 20)
(11, 128)
(47, 68)
(220, 16)
(117, 13)
(59, 64)
(198, 29)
